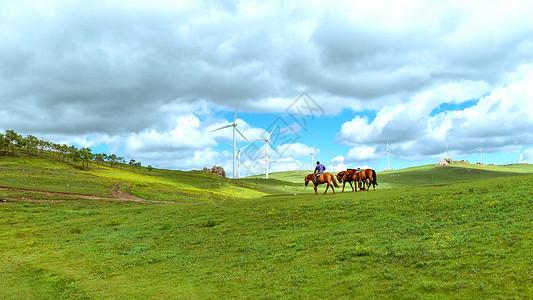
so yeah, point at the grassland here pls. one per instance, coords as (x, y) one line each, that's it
(456, 232)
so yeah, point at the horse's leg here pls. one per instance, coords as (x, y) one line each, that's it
(316, 191)
(343, 185)
(327, 187)
(352, 187)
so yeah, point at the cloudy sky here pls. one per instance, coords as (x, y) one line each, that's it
(150, 80)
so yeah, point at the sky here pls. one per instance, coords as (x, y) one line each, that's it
(151, 80)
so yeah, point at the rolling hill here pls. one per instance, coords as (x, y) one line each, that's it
(461, 231)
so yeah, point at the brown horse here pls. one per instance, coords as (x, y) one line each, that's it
(324, 178)
(366, 177)
(340, 178)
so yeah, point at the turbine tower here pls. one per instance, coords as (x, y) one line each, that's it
(266, 148)
(239, 156)
(480, 157)
(313, 157)
(447, 152)
(234, 125)
(388, 157)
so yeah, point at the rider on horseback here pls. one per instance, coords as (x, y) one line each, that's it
(319, 170)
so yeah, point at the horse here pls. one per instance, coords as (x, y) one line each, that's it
(366, 177)
(340, 178)
(324, 178)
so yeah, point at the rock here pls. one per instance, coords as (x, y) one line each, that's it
(216, 170)
(444, 162)
(480, 163)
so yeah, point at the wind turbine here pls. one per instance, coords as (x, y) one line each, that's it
(266, 148)
(312, 157)
(239, 156)
(480, 157)
(234, 125)
(388, 156)
(447, 151)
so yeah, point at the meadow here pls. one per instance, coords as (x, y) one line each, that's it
(462, 231)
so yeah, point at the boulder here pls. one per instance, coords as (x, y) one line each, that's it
(218, 170)
(444, 162)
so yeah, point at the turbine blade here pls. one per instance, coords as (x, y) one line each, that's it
(245, 147)
(271, 132)
(242, 135)
(235, 117)
(230, 144)
(229, 125)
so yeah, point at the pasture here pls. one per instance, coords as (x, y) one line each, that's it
(462, 231)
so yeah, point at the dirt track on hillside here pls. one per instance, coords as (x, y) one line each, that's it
(118, 195)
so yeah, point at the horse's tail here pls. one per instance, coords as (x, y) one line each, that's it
(334, 181)
(374, 177)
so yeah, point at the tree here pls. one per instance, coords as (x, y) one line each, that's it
(121, 161)
(98, 158)
(43, 144)
(3, 142)
(104, 158)
(73, 154)
(132, 163)
(138, 164)
(31, 143)
(150, 169)
(112, 158)
(86, 156)
(63, 151)
(12, 139)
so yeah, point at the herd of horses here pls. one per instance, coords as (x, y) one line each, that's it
(362, 178)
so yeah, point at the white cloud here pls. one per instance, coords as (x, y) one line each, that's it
(297, 150)
(151, 78)
(186, 134)
(361, 154)
(337, 164)
(526, 156)
(498, 121)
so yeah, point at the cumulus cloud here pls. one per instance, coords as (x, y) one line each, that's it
(150, 78)
(337, 164)
(498, 121)
(526, 156)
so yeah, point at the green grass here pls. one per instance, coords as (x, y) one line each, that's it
(452, 236)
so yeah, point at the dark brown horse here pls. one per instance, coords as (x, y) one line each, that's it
(364, 177)
(340, 178)
(324, 178)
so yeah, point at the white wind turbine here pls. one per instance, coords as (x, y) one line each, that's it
(239, 156)
(266, 148)
(388, 156)
(234, 125)
(313, 157)
(480, 157)
(447, 151)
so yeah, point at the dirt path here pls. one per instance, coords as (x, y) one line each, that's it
(115, 191)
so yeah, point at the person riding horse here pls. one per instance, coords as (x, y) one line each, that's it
(319, 170)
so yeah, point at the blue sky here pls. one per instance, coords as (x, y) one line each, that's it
(151, 80)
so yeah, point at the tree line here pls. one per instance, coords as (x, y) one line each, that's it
(11, 142)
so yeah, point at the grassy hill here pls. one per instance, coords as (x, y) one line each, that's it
(455, 232)
(424, 175)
